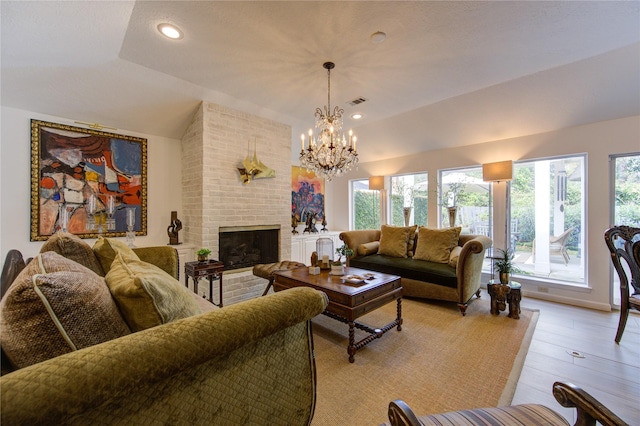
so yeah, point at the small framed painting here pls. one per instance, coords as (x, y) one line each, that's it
(86, 182)
(307, 195)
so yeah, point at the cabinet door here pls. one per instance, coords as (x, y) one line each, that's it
(296, 250)
(309, 248)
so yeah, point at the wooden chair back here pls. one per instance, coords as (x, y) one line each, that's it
(624, 246)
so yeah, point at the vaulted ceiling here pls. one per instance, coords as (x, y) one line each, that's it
(448, 74)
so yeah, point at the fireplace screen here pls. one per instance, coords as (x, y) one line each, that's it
(241, 247)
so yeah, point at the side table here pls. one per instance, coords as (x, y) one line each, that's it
(211, 269)
(501, 294)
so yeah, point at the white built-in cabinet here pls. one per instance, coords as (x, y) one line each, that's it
(303, 245)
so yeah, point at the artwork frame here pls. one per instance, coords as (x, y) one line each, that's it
(307, 195)
(87, 182)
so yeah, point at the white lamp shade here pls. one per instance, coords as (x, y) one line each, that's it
(376, 182)
(497, 172)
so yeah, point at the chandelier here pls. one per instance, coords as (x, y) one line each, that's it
(331, 153)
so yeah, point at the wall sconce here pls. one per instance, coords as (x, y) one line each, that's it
(376, 183)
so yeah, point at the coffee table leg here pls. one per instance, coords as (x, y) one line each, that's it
(399, 318)
(351, 349)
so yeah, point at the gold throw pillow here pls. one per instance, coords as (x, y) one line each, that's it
(394, 240)
(105, 250)
(435, 245)
(146, 295)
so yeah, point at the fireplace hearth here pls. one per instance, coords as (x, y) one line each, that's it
(246, 246)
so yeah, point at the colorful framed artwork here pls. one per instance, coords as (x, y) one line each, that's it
(86, 182)
(307, 196)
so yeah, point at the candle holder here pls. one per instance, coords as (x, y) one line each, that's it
(92, 210)
(63, 218)
(131, 222)
(111, 209)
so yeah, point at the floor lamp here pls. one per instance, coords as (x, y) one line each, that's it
(499, 172)
(377, 183)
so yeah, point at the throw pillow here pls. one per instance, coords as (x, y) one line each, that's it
(435, 245)
(56, 306)
(394, 240)
(453, 257)
(411, 245)
(105, 250)
(72, 247)
(368, 248)
(146, 295)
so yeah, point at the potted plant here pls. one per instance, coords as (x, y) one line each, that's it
(337, 267)
(203, 254)
(504, 265)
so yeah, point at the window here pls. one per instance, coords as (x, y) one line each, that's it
(548, 206)
(465, 190)
(626, 181)
(366, 205)
(626, 193)
(409, 193)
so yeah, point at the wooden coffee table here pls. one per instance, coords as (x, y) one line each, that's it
(347, 302)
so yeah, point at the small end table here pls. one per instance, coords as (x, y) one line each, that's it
(211, 269)
(513, 298)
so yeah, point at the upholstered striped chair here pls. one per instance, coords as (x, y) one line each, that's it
(567, 394)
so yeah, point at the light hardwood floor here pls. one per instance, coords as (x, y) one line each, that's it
(609, 372)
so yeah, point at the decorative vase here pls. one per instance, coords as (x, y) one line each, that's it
(504, 277)
(337, 269)
(407, 215)
(453, 211)
(203, 257)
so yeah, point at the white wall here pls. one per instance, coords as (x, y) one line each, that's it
(163, 183)
(598, 140)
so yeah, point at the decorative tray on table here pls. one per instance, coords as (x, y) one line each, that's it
(357, 279)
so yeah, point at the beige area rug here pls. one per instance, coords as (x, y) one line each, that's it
(440, 361)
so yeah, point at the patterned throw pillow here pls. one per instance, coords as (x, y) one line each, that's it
(56, 306)
(146, 295)
(394, 240)
(435, 245)
(73, 248)
(105, 250)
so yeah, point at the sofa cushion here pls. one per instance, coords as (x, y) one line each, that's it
(72, 247)
(435, 245)
(56, 306)
(453, 257)
(146, 295)
(368, 248)
(105, 250)
(420, 270)
(394, 240)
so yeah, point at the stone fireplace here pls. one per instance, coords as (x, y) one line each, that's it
(214, 198)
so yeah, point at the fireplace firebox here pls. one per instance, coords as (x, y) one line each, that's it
(246, 246)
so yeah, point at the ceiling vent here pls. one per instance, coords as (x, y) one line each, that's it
(357, 101)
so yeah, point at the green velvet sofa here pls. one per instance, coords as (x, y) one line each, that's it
(248, 363)
(455, 281)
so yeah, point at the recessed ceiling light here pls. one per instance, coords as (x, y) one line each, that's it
(170, 31)
(378, 37)
(357, 116)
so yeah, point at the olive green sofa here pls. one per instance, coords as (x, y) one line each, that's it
(248, 363)
(456, 281)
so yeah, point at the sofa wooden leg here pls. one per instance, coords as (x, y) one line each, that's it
(478, 294)
(463, 308)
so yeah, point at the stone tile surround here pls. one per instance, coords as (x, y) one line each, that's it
(213, 195)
